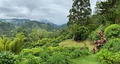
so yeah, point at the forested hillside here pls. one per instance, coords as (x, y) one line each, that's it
(9, 27)
(87, 38)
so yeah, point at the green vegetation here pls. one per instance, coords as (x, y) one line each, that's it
(72, 43)
(50, 55)
(108, 57)
(88, 39)
(94, 34)
(113, 45)
(7, 58)
(91, 59)
(112, 31)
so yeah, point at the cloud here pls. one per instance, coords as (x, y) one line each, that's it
(55, 10)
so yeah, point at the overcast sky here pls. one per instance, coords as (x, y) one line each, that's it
(54, 10)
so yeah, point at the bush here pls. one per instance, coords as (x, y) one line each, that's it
(104, 56)
(85, 51)
(58, 58)
(77, 52)
(82, 33)
(108, 57)
(33, 51)
(1, 46)
(94, 35)
(112, 31)
(28, 59)
(91, 27)
(50, 55)
(7, 58)
(113, 45)
(44, 55)
(30, 56)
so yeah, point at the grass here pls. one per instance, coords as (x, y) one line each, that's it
(91, 59)
(70, 42)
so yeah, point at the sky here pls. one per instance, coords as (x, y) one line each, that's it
(54, 10)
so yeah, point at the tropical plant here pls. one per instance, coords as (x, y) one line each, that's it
(7, 58)
(112, 31)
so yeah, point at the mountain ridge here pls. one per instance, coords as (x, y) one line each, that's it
(24, 20)
(27, 23)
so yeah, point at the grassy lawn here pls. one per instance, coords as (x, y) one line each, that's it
(70, 42)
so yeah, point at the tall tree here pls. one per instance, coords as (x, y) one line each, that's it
(103, 7)
(107, 9)
(80, 12)
(78, 17)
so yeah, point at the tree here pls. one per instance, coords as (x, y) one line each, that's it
(18, 43)
(37, 34)
(80, 12)
(81, 33)
(4, 42)
(103, 7)
(73, 30)
(79, 16)
(108, 10)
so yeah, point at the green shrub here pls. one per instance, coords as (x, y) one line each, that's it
(1, 46)
(28, 59)
(50, 55)
(30, 56)
(94, 34)
(7, 58)
(113, 45)
(85, 51)
(17, 44)
(58, 58)
(26, 51)
(33, 59)
(42, 42)
(91, 27)
(82, 33)
(116, 58)
(76, 53)
(104, 56)
(37, 51)
(108, 57)
(112, 31)
(44, 55)
(33, 51)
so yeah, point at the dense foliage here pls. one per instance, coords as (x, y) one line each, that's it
(79, 13)
(82, 33)
(23, 41)
(94, 34)
(113, 45)
(50, 55)
(7, 58)
(112, 31)
(108, 57)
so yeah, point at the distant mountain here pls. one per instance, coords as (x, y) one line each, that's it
(45, 21)
(5, 28)
(32, 24)
(15, 21)
(11, 26)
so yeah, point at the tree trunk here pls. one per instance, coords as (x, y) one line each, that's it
(73, 37)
